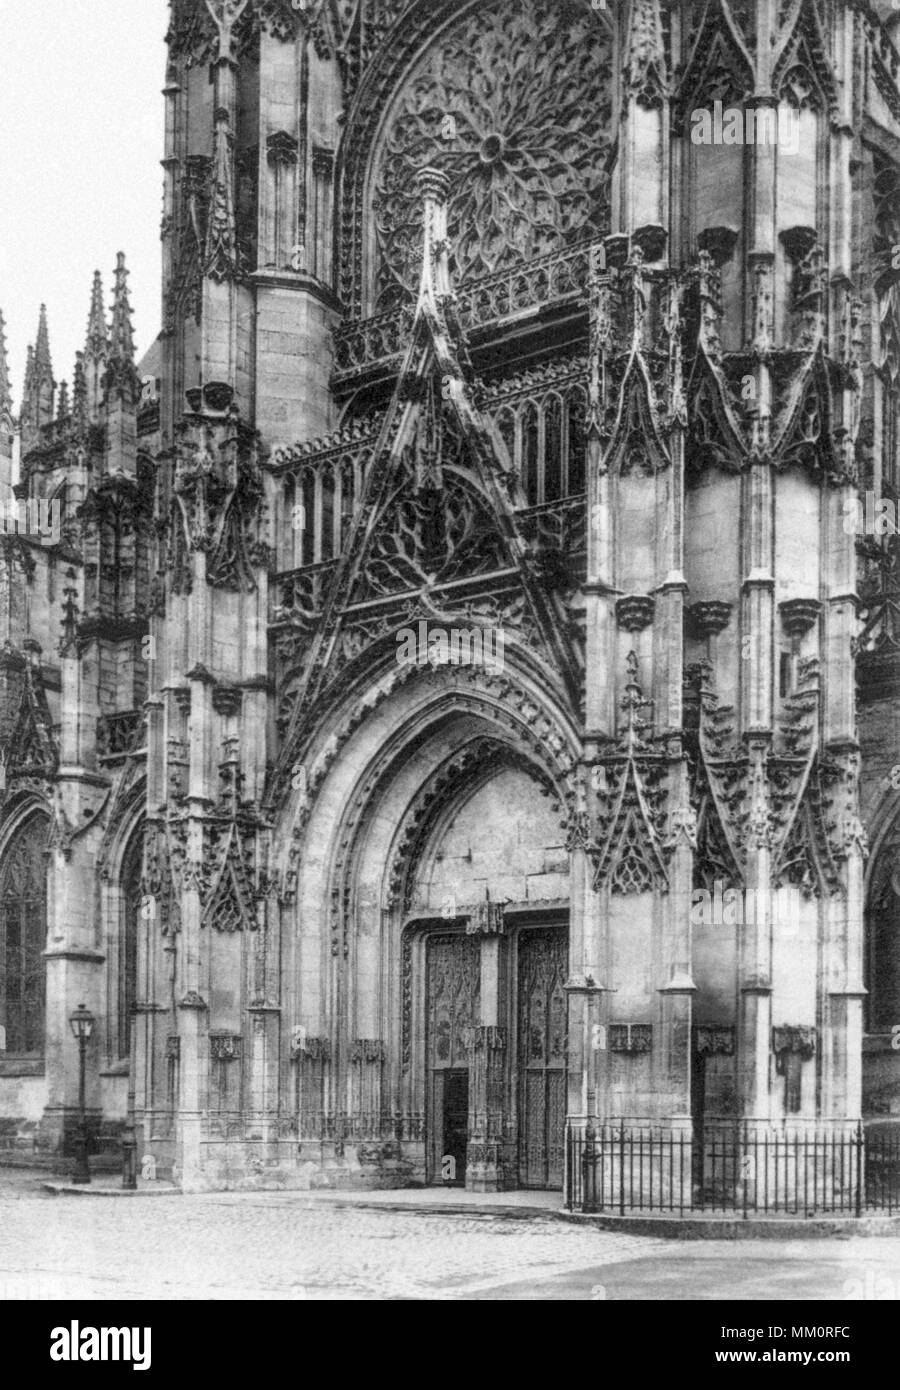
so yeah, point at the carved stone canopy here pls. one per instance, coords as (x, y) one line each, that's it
(799, 1039)
(798, 241)
(719, 242)
(651, 239)
(798, 615)
(709, 617)
(192, 1000)
(715, 1041)
(281, 148)
(226, 699)
(634, 612)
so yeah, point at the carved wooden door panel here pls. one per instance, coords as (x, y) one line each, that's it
(453, 1001)
(543, 965)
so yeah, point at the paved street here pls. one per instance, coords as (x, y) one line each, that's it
(324, 1246)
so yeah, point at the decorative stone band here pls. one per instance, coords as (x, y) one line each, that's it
(481, 1155)
(367, 1050)
(631, 1037)
(715, 1042)
(634, 612)
(314, 1049)
(433, 185)
(486, 919)
(799, 1040)
(224, 1047)
(486, 1037)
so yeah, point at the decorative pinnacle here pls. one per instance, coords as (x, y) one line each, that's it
(29, 377)
(122, 333)
(632, 703)
(79, 393)
(96, 343)
(5, 392)
(43, 367)
(62, 404)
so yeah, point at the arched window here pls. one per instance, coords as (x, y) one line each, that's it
(23, 932)
(553, 482)
(529, 464)
(132, 865)
(577, 440)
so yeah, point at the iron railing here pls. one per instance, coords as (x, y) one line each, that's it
(732, 1169)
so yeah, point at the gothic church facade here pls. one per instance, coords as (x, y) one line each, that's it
(460, 599)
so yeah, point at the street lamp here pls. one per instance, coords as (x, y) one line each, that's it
(82, 1025)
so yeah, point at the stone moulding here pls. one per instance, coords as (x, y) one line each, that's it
(633, 1038)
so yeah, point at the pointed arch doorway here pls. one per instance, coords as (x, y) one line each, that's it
(496, 1091)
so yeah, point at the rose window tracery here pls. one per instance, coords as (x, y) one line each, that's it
(513, 103)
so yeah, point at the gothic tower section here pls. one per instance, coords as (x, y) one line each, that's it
(74, 576)
(766, 120)
(522, 369)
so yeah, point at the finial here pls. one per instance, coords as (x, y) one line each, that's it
(79, 394)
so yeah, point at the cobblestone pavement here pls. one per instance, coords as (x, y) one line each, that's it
(282, 1246)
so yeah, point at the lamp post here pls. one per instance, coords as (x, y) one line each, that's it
(82, 1025)
(129, 1139)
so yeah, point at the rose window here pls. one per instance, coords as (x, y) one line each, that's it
(513, 104)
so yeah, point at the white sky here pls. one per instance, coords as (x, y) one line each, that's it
(81, 137)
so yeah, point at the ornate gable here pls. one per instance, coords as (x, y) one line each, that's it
(628, 850)
(436, 511)
(30, 749)
(230, 901)
(719, 67)
(802, 71)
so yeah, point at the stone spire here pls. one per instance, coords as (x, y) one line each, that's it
(96, 350)
(29, 383)
(122, 333)
(97, 339)
(122, 387)
(79, 395)
(42, 384)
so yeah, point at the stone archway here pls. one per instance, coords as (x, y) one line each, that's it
(484, 965)
(423, 786)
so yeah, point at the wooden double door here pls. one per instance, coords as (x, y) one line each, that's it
(535, 1067)
(541, 1055)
